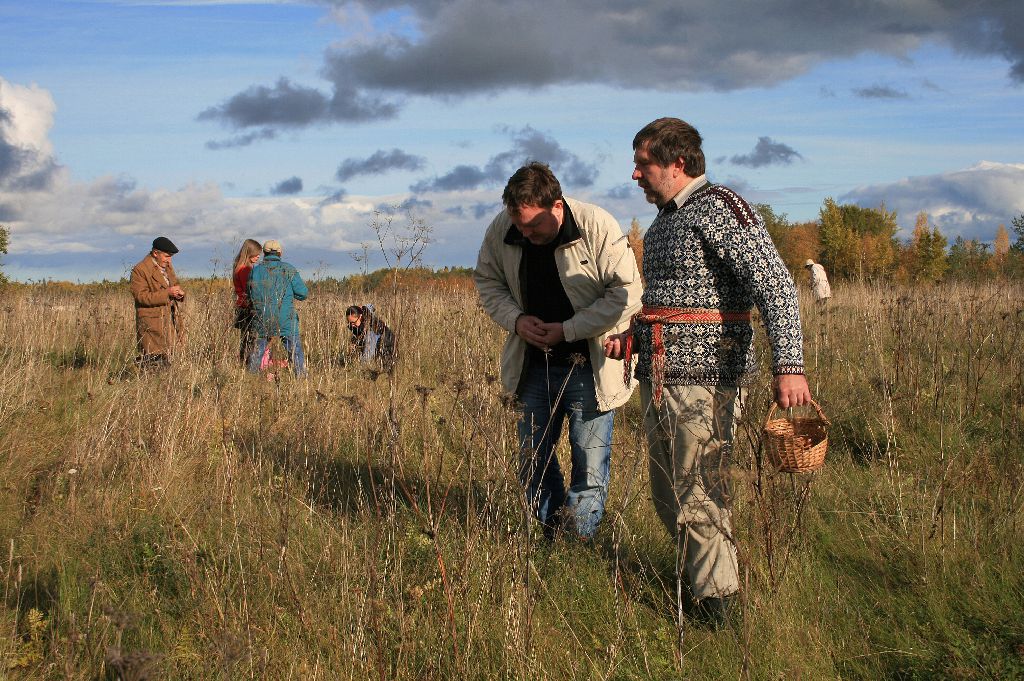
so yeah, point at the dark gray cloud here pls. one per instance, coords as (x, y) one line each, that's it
(120, 195)
(623, 191)
(483, 210)
(528, 144)
(411, 204)
(293, 185)
(36, 180)
(458, 178)
(336, 197)
(478, 211)
(532, 145)
(11, 158)
(379, 163)
(284, 104)
(880, 92)
(968, 203)
(476, 46)
(288, 105)
(765, 153)
(242, 140)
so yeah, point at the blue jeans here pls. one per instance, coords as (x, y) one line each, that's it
(292, 344)
(545, 408)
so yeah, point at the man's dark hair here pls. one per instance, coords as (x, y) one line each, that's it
(670, 138)
(532, 185)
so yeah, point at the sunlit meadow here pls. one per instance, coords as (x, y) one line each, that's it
(206, 523)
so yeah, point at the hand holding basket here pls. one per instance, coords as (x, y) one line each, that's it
(796, 444)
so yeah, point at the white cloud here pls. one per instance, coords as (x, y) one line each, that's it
(26, 155)
(29, 116)
(112, 221)
(970, 203)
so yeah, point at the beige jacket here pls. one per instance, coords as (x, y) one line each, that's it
(819, 283)
(599, 274)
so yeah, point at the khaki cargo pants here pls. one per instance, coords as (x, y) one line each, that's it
(690, 440)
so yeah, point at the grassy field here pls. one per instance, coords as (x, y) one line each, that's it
(204, 523)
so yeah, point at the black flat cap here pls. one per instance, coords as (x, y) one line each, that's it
(162, 243)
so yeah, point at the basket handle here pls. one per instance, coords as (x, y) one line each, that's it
(814, 404)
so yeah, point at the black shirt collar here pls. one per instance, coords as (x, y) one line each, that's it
(669, 207)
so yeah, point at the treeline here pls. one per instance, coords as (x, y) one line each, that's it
(850, 241)
(412, 278)
(860, 243)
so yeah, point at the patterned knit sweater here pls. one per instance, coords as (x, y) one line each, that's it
(714, 253)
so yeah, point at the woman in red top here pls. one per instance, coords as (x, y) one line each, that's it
(247, 256)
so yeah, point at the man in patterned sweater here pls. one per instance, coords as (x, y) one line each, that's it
(707, 261)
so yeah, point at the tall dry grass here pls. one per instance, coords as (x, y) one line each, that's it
(206, 523)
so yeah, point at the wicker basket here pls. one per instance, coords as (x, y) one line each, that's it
(797, 444)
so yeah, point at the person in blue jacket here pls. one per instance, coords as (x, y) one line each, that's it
(273, 286)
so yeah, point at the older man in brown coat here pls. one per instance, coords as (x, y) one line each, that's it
(158, 297)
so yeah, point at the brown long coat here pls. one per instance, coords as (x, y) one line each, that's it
(158, 323)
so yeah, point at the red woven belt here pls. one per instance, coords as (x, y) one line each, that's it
(657, 317)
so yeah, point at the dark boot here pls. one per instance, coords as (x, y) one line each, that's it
(553, 527)
(716, 612)
(152, 362)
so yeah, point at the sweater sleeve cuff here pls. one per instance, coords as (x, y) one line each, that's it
(788, 370)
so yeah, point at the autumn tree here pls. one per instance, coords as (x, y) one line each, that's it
(838, 241)
(930, 258)
(1018, 229)
(1001, 245)
(920, 227)
(858, 242)
(969, 260)
(804, 244)
(777, 225)
(1010, 257)
(926, 253)
(635, 239)
(795, 243)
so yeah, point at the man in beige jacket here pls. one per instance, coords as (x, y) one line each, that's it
(559, 276)
(158, 297)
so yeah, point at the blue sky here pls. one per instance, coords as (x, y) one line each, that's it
(209, 122)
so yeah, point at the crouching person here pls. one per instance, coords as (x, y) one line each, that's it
(273, 286)
(559, 276)
(372, 341)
